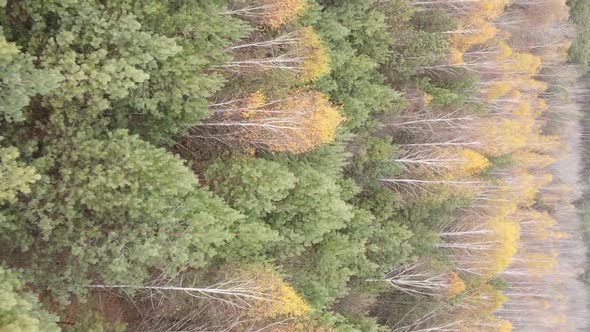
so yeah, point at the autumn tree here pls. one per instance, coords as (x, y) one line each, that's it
(306, 56)
(296, 124)
(421, 279)
(271, 13)
(250, 296)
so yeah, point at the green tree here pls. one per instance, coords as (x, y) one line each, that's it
(357, 37)
(20, 81)
(112, 208)
(20, 311)
(321, 273)
(417, 49)
(141, 65)
(312, 209)
(251, 186)
(15, 176)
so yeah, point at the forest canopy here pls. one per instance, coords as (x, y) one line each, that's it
(291, 165)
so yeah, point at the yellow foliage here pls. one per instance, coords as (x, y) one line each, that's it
(541, 105)
(563, 50)
(530, 159)
(507, 234)
(545, 143)
(317, 59)
(539, 86)
(498, 89)
(280, 12)
(501, 135)
(491, 9)
(471, 163)
(505, 51)
(516, 94)
(504, 326)
(456, 57)
(282, 298)
(524, 63)
(540, 263)
(522, 109)
(253, 102)
(480, 31)
(456, 285)
(296, 124)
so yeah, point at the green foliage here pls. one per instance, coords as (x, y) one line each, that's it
(251, 186)
(498, 283)
(87, 196)
(20, 81)
(20, 311)
(409, 55)
(498, 162)
(450, 91)
(434, 21)
(579, 52)
(390, 245)
(321, 273)
(313, 209)
(149, 61)
(111, 208)
(15, 177)
(397, 13)
(372, 161)
(358, 40)
(363, 27)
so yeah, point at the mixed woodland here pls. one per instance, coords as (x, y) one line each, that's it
(294, 165)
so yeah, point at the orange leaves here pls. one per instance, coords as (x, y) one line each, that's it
(297, 123)
(271, 13)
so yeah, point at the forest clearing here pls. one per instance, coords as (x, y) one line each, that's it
(294, 165)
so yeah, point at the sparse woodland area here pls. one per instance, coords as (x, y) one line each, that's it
(290, 165)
